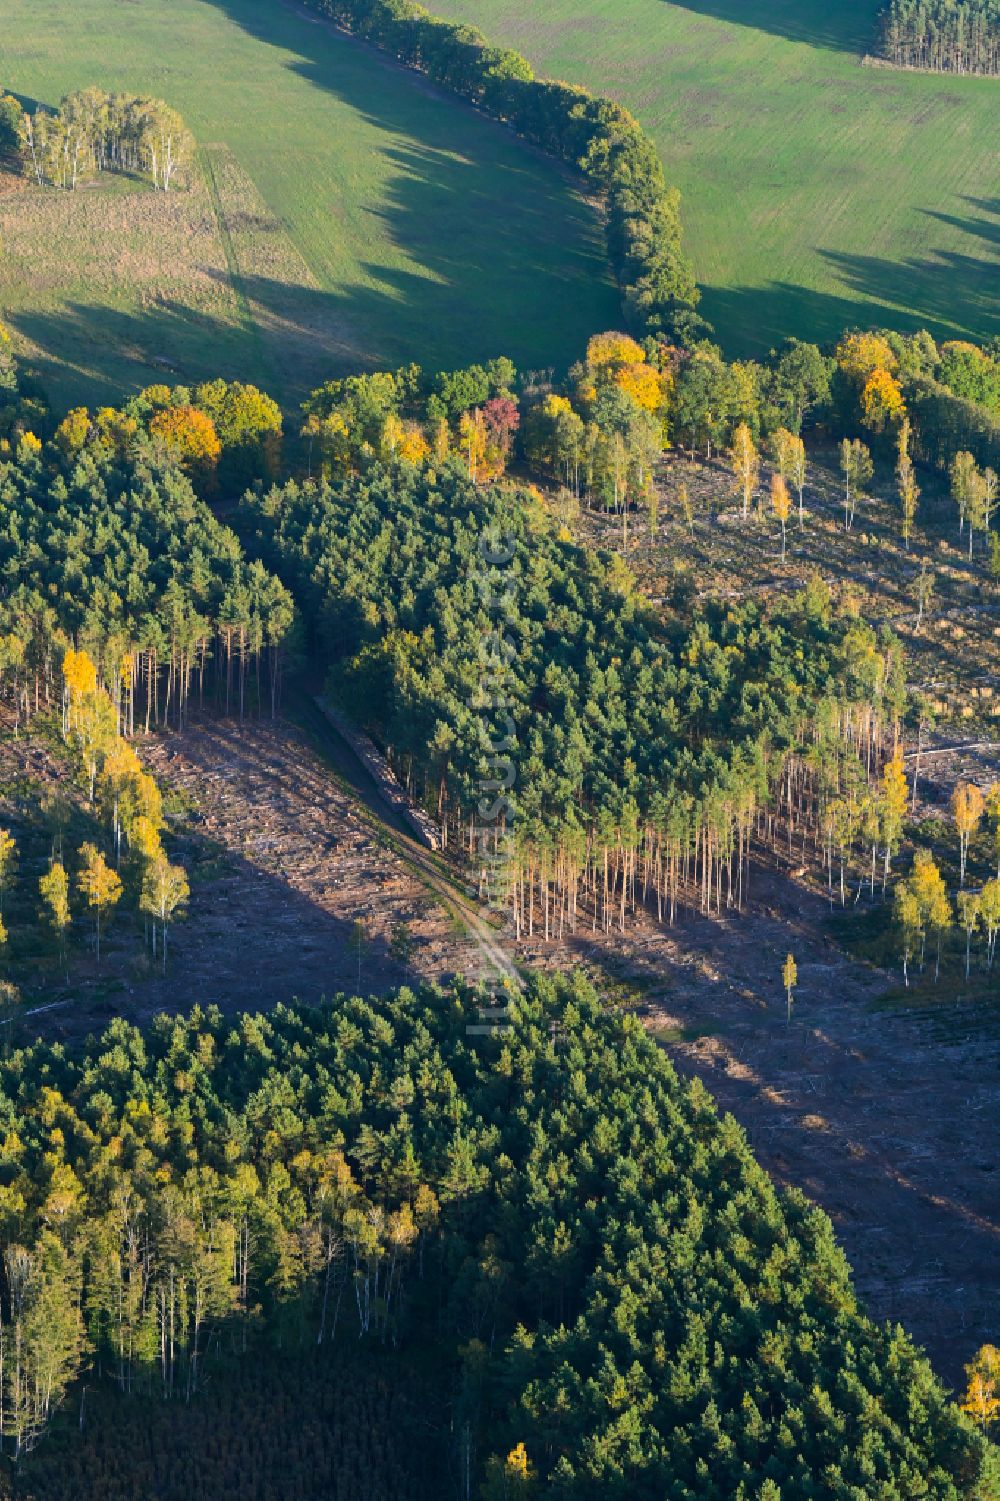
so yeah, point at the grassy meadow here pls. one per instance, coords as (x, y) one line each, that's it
(817, 192)
(343, 214)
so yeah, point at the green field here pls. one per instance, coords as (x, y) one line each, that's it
(817, 192)
(345, 214)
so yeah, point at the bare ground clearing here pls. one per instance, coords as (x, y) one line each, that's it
(882, 1115)
(953, 653)
(301, 865)
(283, 863)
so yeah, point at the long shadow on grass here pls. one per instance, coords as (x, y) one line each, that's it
(985, 226)
(527, 282)
(299, 336)
(846, 26)
(494, 252)
(470, 205)
(950, 294)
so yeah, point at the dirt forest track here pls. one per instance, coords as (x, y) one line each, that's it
(303, 876)
(496, 963)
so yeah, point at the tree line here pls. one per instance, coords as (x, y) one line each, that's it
(224, 435)
(599, 431)
(603, 1284)
(94, 131)
(592, 134)
(943, 36)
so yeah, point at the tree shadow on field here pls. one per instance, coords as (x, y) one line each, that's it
(491, 250)
(951, 294)
(845, 26)
(986, 226)
(30, 105)
(470, 204)
(295, 336)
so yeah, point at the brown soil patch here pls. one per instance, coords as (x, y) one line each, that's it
(283, 863)
(300, 866)
(883, 1116)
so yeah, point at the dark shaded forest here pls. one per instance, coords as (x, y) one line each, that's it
(943, 36)
(614, 1298)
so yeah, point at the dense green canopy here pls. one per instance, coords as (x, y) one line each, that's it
(122, 560)
(630, 1296)
(607, 725)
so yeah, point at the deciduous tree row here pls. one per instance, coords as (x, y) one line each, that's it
(594, 135)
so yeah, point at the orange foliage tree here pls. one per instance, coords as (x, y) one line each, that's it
(189, 437)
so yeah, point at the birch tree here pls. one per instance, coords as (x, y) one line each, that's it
(744, 460)
(100, 885)
(164, 889)
(967, 808)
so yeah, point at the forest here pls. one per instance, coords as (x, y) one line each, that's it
(943, 36)
(503, 1197)
(652, 754)
(603, 1284)
(649, 748)
(653, 748)
(119, 558)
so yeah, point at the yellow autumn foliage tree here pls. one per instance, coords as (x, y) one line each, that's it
(859, 355)
(781, 505)
(967, 808)
(882, 401)
(646, 386)
(100, 886)
(610, 352)
(73, 431)
(744, 460)
(982, 1394)
(413, 447)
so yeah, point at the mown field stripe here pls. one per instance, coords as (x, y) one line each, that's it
(250, 324)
